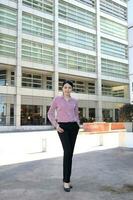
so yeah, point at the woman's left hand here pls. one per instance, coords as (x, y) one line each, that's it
(59, 129)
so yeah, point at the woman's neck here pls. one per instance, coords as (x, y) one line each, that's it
(66, 96)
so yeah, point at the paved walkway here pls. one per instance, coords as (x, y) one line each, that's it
(97, 175)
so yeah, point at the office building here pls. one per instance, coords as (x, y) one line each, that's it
(43, 42)
(130, 34)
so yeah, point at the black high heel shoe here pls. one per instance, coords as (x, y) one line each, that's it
(66, 189)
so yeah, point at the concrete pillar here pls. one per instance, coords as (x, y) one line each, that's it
(8, 114)
(44, 111)
(87, 112)
(56, 74)
(8, 75)
(44, 86)
(113, 114)
(99, 81)
(18, 66)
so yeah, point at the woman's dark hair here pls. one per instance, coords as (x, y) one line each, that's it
(69, 82)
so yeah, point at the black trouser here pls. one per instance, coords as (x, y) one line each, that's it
(68, 139)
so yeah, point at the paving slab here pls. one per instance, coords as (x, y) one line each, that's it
(97, 175)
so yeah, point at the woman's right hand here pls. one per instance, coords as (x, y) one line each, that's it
(59, 129)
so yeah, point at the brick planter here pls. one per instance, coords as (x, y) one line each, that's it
(98, 127)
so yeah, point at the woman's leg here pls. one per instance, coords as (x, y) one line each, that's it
(64, 137)
(68, 139)
(73, 132)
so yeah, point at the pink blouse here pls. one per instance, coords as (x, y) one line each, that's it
(62, 110)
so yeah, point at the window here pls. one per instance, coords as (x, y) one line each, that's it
(7, 110)
(37, 81)
(8, 17)
(107, 115)
(46, 6)
(37, 52)
(106, 90)
(12, 78)
(76, 61)
(7, 45)
(114, 29)
(114, 69)
(92, 114)
(31, 80)
(114, 91)
(77, 15)
(113, 48)
(114, 9)
(37, 26)
(32, 115)
(91, 88)
(90, 3)
(79, 86)
(3, 78)
(3, 113)
(49, 83)
(118, 93)
(12, 114)
(77, 38)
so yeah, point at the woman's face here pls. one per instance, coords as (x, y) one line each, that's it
(67, 89)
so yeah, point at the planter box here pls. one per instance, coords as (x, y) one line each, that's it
(103, 127)
(117, 125)
(96, 127)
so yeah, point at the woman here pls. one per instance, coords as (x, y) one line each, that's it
(66, 123)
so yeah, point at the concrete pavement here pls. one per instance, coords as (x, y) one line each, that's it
(97, 175)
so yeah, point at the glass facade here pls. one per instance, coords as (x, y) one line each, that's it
(113, 9)
(49, 85)
(107, 115)
(6, 110)
(37, 26)
(77, 15)
(31, 115)
(2, 114)
(90, 3)
(76, 61)
(8, 17)
(36, 80)
(31, 80)
(37, 52)
(45, 6)
(7, 81)
(7, 45)
(77, 38)
(114, 69)
(114, 91)
(91, 88)
(113, 48)
(12, 79)
(114, 29)
(3, 78)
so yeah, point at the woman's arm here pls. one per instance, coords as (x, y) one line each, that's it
(51, 113)
(77, 113)
(51, 116)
